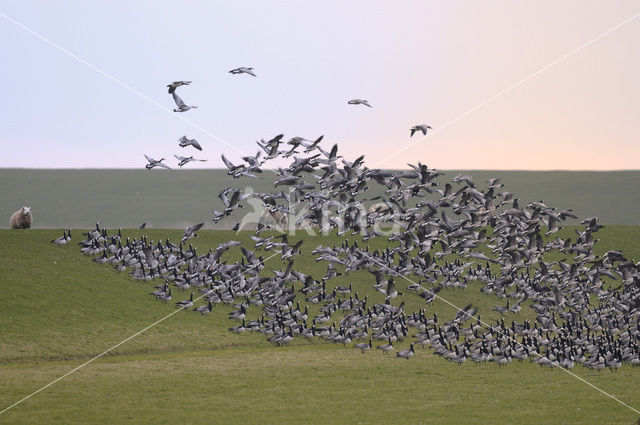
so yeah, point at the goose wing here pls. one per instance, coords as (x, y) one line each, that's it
(178, 101)
(194, 228)
(228, 163)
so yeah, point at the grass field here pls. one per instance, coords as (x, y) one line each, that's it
(58, 309)
(175, 199)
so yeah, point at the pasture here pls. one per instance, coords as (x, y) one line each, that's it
(178, 198)
(58, 309)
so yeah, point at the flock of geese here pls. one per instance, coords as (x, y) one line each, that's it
(184, 141)
(586, 306)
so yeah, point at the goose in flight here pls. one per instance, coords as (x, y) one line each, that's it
(420, 127)
(155, 163)
(173, 86)
(185, 160)
(312, 146)
(359, 102)
(184, 142)
(243, 70)
(182, 107)
(190, 232)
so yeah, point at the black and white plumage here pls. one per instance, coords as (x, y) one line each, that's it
(155, 163)
(62, 240)
(185, 160)
(406, 354)
(420, 127)
(190, 232)
(184, 142)
(243, 70)
(204, 309)
(185, 303)
(182, 107)
(173, 86)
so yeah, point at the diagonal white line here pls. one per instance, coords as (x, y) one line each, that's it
(119, 82)
(117, 345)
(507, 336)
(508, 89)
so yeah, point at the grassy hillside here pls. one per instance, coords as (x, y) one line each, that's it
(174, 199)
(58, 309)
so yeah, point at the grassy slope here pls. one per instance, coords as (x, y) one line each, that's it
(58, 308)
(173, 199)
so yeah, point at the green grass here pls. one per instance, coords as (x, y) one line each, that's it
(59, 309)
(175, 199)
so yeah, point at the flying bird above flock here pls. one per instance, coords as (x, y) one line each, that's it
(359, 102)
(184, 142)
(173, 86)
(185, 160)
(243, 70)
(155, 163)
(421, 127)
(182, 107)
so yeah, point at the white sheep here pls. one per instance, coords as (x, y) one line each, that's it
(22, 219)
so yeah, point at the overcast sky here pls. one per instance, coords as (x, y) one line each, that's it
(416, 62)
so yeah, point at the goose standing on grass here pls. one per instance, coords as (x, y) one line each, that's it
(239, 329)
(185, 303)
(359, 102)
(386, 347)
(364, 346)
(173, 86)
(204, 309)
(243, 70)
(238, 314)
(187, 159)
(184, 142)
(420, 127)
(182, 107)
(406, 354)
(190, 232)
(62, 240)
(155, 163)
(166, 297)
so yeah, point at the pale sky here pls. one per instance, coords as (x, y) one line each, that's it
(416, 62)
